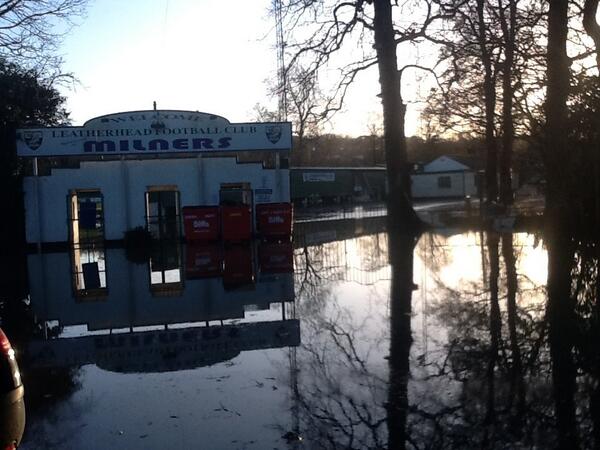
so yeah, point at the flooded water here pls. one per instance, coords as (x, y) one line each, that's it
(319, 343)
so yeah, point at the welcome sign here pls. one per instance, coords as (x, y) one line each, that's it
(150, 132)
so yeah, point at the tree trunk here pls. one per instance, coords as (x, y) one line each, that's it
(517, 384)
(508, 31)
(556, 157)
(400, 336)
(562, 329)
(559, 242)
(401, 215)
(489, 98)
(495, 331)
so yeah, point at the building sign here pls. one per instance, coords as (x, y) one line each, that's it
(263, 195)
(318, 177)
(150, 132)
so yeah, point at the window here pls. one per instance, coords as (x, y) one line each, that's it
(235, 194)
(87, 217)
(163, 222)
(444, 182)
(87, 239)
(162, 212)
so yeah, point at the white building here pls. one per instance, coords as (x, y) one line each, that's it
(443, 177)
(139, 169)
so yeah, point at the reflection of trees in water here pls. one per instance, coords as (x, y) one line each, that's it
(574, 322)
(544, 388)
(358, 260)
(469, 393)
(431, 249)
(373, 252)
(586, 291)
(504, 368)
(494, 345)
(342, 389)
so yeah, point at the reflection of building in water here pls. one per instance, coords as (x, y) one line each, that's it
(348, 250)
(165, 269)
(89, 272)
(165, 350)
(160, 293)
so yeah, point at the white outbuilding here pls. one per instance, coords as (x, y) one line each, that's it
(443, 177)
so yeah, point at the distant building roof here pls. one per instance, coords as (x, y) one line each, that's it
(445, 164)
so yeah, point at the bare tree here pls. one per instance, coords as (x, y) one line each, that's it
(32, 30)
(469, 66)
(490, 70)
(489, 98)
(509, 28)
(303, 101)
(355, 36)
(558, 229)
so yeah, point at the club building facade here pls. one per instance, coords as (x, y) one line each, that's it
(144, 169)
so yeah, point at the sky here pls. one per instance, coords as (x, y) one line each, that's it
(200, 55)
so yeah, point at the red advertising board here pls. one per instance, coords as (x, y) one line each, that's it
(274, 219)
(201, 223)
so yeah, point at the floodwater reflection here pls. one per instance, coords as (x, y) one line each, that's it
(449, 350)
(344, 338)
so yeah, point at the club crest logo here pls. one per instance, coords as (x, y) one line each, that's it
(273, 133)
(33, 139)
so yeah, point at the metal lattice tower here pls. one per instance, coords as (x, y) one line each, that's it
(281, 75)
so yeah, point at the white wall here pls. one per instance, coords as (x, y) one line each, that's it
(425, 185)
(124, 183)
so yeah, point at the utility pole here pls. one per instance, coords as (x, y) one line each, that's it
(281, 75)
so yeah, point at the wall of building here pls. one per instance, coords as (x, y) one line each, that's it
(338, 183)
(123, 185)
(454, 185)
